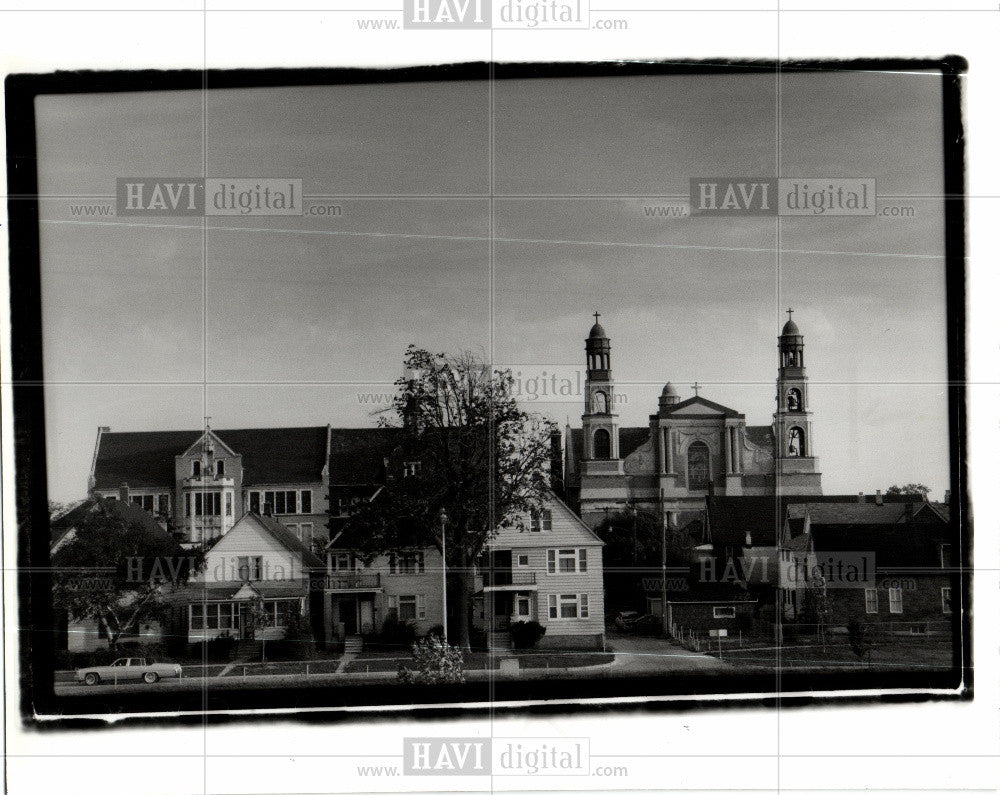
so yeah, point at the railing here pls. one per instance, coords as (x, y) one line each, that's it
(498, 577)
(352, 581)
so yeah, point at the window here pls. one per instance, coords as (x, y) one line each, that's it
(944, 554)
(197, 617)
(539, 522)
(522, 560)
(340, 561)
(796, 442)
(602, 444)
(220, 469)
(794, 400)
(698, 466)
(207, 503)
(255, 502)
(723, 612)
(523, 606)
(249, 568)
(279, 502)
(409, 607)
(306, 533)
(406, 563)
(164, 505)
(946, 601)
(600, 403)
(569, 605)
(567, 561)
(307, 502)
(144, 501)
(411, 469)
(871, 600)
(196, 469)
(229, 504)
(895, 600)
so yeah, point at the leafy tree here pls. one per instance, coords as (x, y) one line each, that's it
(115, 569)
(482, 459)
(909, 489)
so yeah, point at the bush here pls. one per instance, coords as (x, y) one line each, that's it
(396, 634)
(297, 643)
(526, 634)
(437, 630)
(220, 649)
(436, 663)
(859, 638)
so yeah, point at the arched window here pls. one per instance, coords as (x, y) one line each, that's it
(796, 442)
(602, 443)
(794, 400)
(699, 466)
(600, 403)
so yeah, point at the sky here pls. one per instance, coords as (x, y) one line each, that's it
(304, 320)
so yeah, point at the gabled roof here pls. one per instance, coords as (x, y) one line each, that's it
(857, 513)
(729, 518)
(899, 545)
(66, 523)
(145, 459)
(286, 538)
(698, 401)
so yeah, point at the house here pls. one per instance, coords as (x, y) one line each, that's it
(199, 483)
(550, 572)
(259, 564)
(88, 634)
(916, 580)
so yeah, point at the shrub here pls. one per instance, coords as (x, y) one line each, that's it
(437, 629)
(526, 634)
(859, 638)
(435, 663)
(396, 634)
(297, 644)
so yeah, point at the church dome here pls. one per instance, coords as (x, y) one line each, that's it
(669, 391)
(597, 331)
(791, 330)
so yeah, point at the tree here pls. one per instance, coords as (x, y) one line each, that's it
(909, 489)
(481, 458)
(115, 568)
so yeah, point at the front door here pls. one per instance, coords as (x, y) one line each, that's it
(349, 616)
(246, 632)
(367, 616)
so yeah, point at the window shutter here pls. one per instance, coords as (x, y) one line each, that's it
(392, 563)
(583, 560)
(584, 607)
(553, 607)
(420, 564)
(421, 610)
(552, 561)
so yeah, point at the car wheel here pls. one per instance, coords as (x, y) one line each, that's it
(150, 678)
(92, 679)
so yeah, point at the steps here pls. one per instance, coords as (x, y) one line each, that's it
(500, 640)
(352, 644)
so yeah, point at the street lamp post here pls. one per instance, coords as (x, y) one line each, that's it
(443, 516)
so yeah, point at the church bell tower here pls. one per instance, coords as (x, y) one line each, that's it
(600, 423)
(794, 453)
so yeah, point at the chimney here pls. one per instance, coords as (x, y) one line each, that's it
(861, 497)
(878, 496)
(123, 493)
(747, 541)
(947, 497)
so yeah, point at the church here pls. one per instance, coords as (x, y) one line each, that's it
(691, 448)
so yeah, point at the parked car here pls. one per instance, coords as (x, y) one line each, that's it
(128, 669)
(636, 623)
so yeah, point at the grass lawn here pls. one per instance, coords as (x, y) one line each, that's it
(481, 661)
(904, 654)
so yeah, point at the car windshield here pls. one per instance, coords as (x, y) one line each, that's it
(120, 662)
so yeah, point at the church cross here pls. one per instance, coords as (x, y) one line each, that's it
(789, 310)
(596, 316)
(696, 387)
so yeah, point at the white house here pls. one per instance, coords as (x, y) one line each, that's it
(552, 573)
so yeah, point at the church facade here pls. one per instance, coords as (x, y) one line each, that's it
(691, 448)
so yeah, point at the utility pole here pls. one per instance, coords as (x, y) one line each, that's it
(444, 576)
